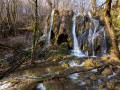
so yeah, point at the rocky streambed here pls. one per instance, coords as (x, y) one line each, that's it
(62, 71)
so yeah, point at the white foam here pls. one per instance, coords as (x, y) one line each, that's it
(94, 70)
(74, 76)
(82, 83)
(73, 63)
(41, 86)
(4, 85)
(114, 74)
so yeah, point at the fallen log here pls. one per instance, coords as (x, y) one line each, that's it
(15, 65)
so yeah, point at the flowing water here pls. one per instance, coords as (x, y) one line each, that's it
(41, 87)
(44, 36)
(51, 24)
(94, 32)
(76, 50)
(104, 44)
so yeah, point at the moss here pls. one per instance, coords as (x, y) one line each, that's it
(115, 18)
(33, 72)
(91, 63)
(114, 58)
(4, 64)
(101, 86)
(105, 58)
(31, 27)
(53, 85)
(55, 69)
(50, 86)
(65, 65)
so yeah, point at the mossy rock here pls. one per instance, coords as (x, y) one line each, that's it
(101, 86)
(116, 18)
(28, 84)
(56, 58)
(105, 58)
(114, 58)
(55, 69)
(91, 63)
(107, 71)
(65, 65)
(53, 85)
(59, 56)
(34, 72)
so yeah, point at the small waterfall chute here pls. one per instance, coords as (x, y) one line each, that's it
(44, 36)
(76, 50)
(51, 24)
(94, 35)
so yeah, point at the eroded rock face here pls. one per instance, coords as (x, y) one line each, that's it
(62, 31)
(62, 27)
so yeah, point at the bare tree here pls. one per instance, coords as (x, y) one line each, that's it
(110, 30)
(14, 15)
(93, 2)
(35, 31)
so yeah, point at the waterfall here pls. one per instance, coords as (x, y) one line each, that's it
(76, 50)
(44, 36)
(75, 47)
(97, 32)
(104, 46)
(51, 24)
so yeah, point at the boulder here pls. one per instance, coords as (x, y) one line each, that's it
(107, 71)
(91, 63)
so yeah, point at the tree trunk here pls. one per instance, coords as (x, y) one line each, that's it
(93, 5)
(117, 3)
(34, 32)
(110, 29)
(14, 6)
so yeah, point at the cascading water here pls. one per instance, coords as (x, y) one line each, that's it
(41, 86)
(76, 50)
(51, 24)
(95, 32)
(104, 49)
(44, 36)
